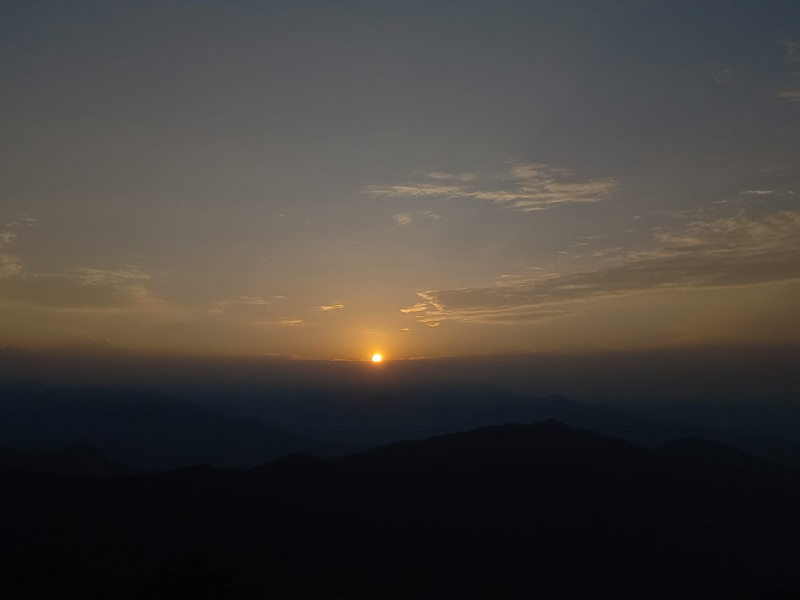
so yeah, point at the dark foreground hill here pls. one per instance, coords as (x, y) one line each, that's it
(76, 460)
(515, 511)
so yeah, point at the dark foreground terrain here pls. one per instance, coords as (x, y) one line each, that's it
(525, 511)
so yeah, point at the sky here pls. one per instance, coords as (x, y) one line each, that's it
(326, 180)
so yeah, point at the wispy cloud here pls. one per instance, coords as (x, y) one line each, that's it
(101, 276)
(756, 192)
(23, 221)
(789, 96)
(523, 186)
(418, 307)
(741, 233)
(241, 301)
(722, 76)
(373, 331)
(407, 219)
(330, 307)
(403, 219)
(743, 249)
(89, 289)
(290, 322)
(283, 322)
(457, 176)
(81, 289)
(791, 51)
(9, 265)
(7, 238)
(790, 48)
(416, 189)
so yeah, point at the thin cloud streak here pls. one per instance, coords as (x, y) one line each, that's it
(122, 290)
(374, 331)
(789, 96)
(243, 301)
(330, 307)
(290, 322)
(529, 187)
(741, 250)
(457, 176)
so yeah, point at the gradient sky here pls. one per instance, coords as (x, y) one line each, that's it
(419, 178)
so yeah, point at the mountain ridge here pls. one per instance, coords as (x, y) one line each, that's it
(515, 510)
(145, 429)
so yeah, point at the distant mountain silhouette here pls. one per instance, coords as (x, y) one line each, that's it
(380, 414)
(383, 414)
(142, 429)
(154, 431)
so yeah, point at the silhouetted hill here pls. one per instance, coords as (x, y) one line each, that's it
(694, 451)
(382, 414)
(550, 438)
(379, 413)
(144, 429)
(77, 460)
(152, 430)
(516, 511)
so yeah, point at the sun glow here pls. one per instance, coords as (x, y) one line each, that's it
(376, 358)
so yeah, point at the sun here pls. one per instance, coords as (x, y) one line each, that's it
(376, 358)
